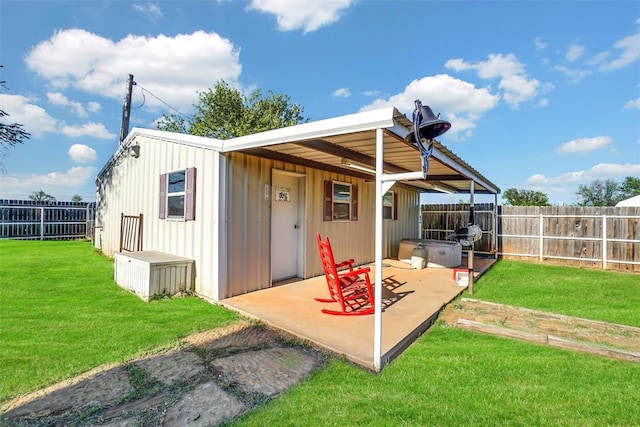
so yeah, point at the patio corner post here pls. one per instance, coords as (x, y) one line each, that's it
(377, 314)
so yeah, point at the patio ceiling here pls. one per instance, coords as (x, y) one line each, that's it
(447, 172)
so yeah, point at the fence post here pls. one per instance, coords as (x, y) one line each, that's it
(541, 232)
(604, 242)
(42, 223)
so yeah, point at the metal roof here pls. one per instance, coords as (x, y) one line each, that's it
(338, 143)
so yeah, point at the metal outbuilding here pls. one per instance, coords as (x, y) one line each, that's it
(247, 209)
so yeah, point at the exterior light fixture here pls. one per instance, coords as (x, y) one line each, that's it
(356, 166)
(426, 127)
(134, 151)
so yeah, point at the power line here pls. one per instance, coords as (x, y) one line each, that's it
(164, 102)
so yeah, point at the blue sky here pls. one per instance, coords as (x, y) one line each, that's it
(541, 95)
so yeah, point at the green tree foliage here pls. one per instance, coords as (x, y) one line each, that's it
(10, 133)
(41, 196)
(515, 197)
(225, 113)
(599, 193)
(76, 198)
(630, 187)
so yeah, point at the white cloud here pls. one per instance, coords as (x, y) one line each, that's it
(601, 171)
(517, 86)
(164, 65)
(343, 92)
(575, 75)
(94, 107)
(94, 130)
(81, 153)
(57, 98)
(632, 103)
(54, 183)
(150, 10)
(584, 145)
(629, 52)
(302, 14)
(540, 45)
(460, 102)
(38, 122)
(34, 119)
(574, 53)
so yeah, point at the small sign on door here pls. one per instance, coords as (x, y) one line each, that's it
(283, 194)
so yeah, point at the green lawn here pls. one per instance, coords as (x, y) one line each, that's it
(591, 294)
(451, 377)
(62, 314)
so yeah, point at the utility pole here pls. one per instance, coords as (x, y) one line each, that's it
(126, 110)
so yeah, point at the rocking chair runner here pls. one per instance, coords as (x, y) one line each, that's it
(350, 288)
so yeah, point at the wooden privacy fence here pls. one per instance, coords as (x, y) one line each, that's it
(26, 219)
(439, 221)
(602, 237)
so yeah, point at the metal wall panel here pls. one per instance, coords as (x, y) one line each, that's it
(231, 248)
(131, 186)
(249, 262)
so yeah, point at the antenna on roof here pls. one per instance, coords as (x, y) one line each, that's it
(126, 110)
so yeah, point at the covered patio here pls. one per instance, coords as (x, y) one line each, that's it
(411, 301)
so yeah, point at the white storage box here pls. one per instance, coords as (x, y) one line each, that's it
(149, 273)
(440, 253)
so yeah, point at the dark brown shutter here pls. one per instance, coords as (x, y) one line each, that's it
(163, 196)
(327, 206)
(190, 199)
(395, 205)
(354, 203)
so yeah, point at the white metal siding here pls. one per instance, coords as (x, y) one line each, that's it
(249, 219)
(230, 238)
(131, 186)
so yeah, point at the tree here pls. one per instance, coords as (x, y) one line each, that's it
(630, 187)
(10, 133)
(41, 196)
(76, 198)
(516, 197)
(599, 193)
(225, 113)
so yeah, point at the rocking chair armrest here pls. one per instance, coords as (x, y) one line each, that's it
(364, 270)
(347, 263)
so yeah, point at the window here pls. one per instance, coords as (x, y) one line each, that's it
(177, 195)
(340, 201)
(387, 205)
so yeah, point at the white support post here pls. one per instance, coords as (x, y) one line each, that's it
(495, 225)
(604, 242)
(541, 238)
(472, 220)
(41, 223)
(377, 313)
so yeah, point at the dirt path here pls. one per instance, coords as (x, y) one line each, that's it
(606, 339)
(210, 378)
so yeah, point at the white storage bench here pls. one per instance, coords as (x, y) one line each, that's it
(149, 273)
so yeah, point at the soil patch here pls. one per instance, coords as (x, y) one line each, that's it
(606, 339)
(209, 379)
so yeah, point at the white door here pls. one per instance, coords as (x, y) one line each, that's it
(285, 227)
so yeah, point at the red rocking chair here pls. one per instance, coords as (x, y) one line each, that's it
(350, 288)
